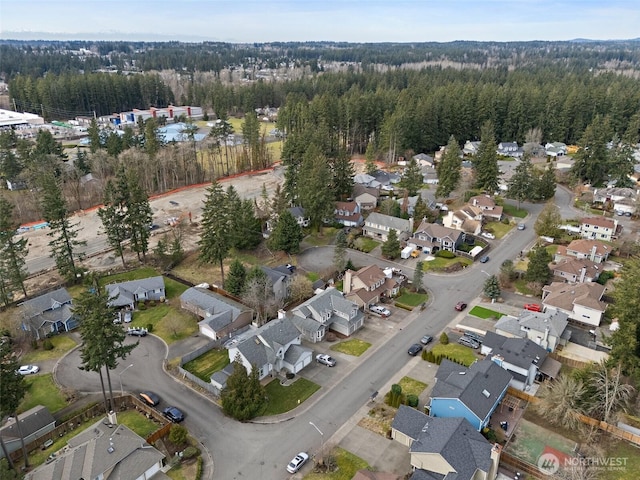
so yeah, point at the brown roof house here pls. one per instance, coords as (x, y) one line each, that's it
(467, 219)
(490, 210)
(599, 228)
(593, 250)
(582, 302)
(348, 214)
(366, 286)
(576, 270)
(431, 237)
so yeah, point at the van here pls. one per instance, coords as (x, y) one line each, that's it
(468, 342)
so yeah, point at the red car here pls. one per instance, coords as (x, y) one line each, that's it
(460, 306)
(534, 307)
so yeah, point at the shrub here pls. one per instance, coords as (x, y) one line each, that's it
(152, 303)
(605, 276)
(142, 306)
(150, 327)
(444, 338)
(47, 345)
(199, 469)
(190, 452)
(505, 220)
(412, 401)
(178, 435)
(34, 344)
(445, 254)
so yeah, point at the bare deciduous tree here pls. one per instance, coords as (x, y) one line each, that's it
(301, 288)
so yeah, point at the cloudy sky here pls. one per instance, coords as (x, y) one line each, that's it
(317, 20)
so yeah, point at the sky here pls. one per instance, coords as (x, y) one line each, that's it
(245, 21)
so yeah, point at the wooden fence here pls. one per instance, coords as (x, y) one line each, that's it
(512, 463)
(514, 392)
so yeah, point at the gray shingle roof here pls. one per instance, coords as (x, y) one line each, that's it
(123, 293)
(521, 352)
(395, 223)
(31, 421)
(455, 439)
(539, 321)
(325, 308)
(269, 338)
(211, 302)
(45, 302)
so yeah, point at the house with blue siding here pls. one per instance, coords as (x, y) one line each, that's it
(472, 393)
(48, 314)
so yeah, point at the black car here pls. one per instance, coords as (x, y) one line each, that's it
(150, 398)
(174, 414)
(415, 349)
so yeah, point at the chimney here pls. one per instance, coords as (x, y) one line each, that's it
(583, 273)
(281, 314)
(593, 253)
(346, 284)
(496, 450)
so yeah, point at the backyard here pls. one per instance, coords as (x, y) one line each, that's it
(208, 363)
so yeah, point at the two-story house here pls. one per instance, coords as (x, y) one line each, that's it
(365, 197)
(472, 393)
(593, 250)
(581, 302)
(424, 160)
(327, 310)
(555, 149)
(378, 225)
(444, 448)
(280, 278)
(431, 237)
(490, 211)
(599, 228)
(525, 360)
(348, 214)
(470, 148)
(274, 348)
(575, 270)
(48, 313)
(368, 285)
(547, 329)
(509, 149)
(467, 219)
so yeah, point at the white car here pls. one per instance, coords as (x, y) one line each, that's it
(488, 235)
(387, 188)
(297, 462)
(377, 309)
(28, 369)
(325, 359)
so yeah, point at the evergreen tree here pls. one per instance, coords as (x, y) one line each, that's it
(492, 288)
(485, 161)
(243, 396)
(113, 216)
(245, 228)
(340, 252)
(391, 248)
(418, 275)
(13, 254)
(287, 234)
(538, 269)
(94, 136)
(139, 216)
(412, 179)
(236, 278)
(13, 390)
(521, 181)
(548, 221)
(343, 173)
(592, 160)
(622, 161)
(370, 155)
(63, 233)
(545, 186)
(316, 195)
(215, 241)
(449, 169)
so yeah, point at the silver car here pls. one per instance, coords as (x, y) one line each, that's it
(297, 462)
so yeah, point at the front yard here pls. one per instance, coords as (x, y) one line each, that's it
(411, 299)
(281, 398)
(42, 390)
(208, 363)
(347, 464)
(61, 345)
(353, 347)
(456, 352)
(439, 263)
(485, 313)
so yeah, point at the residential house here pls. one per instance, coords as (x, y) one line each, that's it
(280, 278)
(467, 219)
(523, 359)
(34, 424)
(378, 225)
(128, 294)
(593, 250)
(327, 310)
(620, 199)
(103, 451)
(444, 448)
(534, 148)
(424, 160)
(383, 178)
(575, 270)
(368, 285)
(470, 148)
(299, 215)
(472, 393)
(547, 329)
(490, 211)
(509, 149)
(366, 180)
(348, 214)
(366, 198)
(430, 176)
(555, 149)
(221, 316)
(582, 302)
(599, 228)
(431, 237)
(275, 348)
(49, 313)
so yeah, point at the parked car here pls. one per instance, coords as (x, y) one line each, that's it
(326, 360)
(468, 342)
(137, 331)
(488, 235)
(174, 414)
(297, 462)
(534, 307)
(521, 226)
(384, 312)
(484, 259)
(415, 349)
(460, 306)
(473, 336)
(28, 369)
(149, 398)
(426, 340)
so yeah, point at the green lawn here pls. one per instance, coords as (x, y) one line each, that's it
(412, 299)
(42, 390)
(499, 229)
(348, 465)
(353, 347)
(521, 286)
(485, 313)
(61, 345)
(365, 244)
(281, 398)
(207, 364)
(439, 263)
(463, 355)
(622, 450)
(137, 422)
(514, 211)
(316, 239)
(411, 386)
(169, 323)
